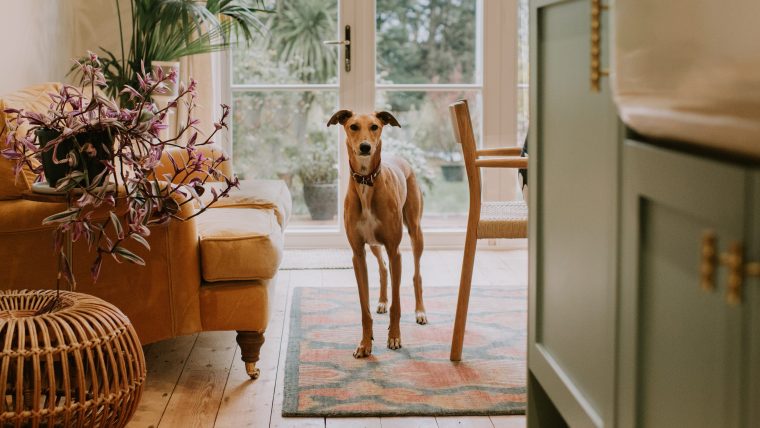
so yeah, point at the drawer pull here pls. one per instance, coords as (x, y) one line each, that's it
(734, 261)
(596, 45)
(709, 261)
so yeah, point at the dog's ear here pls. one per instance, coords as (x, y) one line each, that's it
(387, 118)
(340, 116)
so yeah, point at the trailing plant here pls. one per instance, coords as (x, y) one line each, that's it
(127, 188)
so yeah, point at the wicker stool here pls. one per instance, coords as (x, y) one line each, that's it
(79, 365)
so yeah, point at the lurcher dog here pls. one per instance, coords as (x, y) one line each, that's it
(383, 195)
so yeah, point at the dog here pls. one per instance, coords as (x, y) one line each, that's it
(382, 196)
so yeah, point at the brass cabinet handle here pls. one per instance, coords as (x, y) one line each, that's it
(709, 261)
(733, 260)
(596, 45)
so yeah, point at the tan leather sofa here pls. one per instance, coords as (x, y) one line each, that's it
(216, 271)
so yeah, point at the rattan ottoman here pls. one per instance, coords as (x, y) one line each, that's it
(80, 364)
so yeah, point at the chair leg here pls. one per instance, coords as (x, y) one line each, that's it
(250, 345)
(463, 301)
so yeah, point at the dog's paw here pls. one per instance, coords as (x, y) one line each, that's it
(394, 343)
(421, 317)
(382, 307)
(363, 351)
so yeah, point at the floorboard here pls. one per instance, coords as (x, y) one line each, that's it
(200, 381)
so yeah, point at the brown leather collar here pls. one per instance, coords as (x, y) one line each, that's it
(368, 179)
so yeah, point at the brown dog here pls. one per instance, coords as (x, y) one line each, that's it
(383, 195)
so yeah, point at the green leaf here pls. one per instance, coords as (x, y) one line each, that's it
(141, 240)
(62, 216)
(129, 256)
(116, 224)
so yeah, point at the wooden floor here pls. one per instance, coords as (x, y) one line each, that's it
(200, 381)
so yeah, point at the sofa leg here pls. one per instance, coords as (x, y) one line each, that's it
(250, 345)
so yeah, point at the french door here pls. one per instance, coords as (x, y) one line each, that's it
(410, 57)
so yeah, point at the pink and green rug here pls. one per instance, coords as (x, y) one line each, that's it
(322, 378)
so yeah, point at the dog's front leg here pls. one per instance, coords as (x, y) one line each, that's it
(382, 303)
(394, 330)
(360, 269)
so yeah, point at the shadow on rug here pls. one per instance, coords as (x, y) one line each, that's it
(322, 378)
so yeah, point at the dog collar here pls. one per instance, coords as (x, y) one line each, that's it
(369, 179)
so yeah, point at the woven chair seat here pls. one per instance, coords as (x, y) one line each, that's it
(503, 220)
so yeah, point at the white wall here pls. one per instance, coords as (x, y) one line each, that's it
(40, 37)
(37, 41)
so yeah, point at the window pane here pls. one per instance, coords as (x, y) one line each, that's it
(291, 51)
(283, 135)
(426, 41)
(426, 140)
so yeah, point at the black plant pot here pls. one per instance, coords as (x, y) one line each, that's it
(322, 200)
(102, 141)
(453, 171)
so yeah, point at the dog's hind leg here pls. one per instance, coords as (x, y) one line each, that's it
(382, 304)
(412, 217)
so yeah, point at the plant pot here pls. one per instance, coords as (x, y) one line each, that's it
(80, 362)
(322, 200)
(453, 171)
(101, 140)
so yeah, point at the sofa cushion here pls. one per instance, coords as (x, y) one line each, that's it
(239, 244)
(34, 98)
(261, 194)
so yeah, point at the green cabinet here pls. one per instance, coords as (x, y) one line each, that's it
(621, 332)
(573, 218)
(687, 356)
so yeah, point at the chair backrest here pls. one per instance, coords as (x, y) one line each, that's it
(463, 133)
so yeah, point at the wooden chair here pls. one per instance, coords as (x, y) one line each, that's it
(486, 220)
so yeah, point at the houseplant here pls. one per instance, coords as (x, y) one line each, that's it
(167, 30)
(316, 165)
(126, 188)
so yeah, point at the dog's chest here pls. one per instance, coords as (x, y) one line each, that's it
(368, 222)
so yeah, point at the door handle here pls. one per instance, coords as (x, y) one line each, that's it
(596, 45)
(346, 43)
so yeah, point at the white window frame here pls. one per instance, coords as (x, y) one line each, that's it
(496, 62)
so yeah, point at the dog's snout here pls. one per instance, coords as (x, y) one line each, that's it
(365, 148)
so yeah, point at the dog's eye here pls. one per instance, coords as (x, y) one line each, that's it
(373, 127)
(354, 127)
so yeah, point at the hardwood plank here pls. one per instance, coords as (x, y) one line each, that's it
(247, 403)
(195, 401)
(353, 423)
(517, 421)
(165, 361)
(277, 420)
(408, 422)
(464, 422)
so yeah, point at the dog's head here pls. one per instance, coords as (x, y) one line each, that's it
(363, 133)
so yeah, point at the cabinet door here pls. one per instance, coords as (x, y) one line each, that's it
(681, 347)
(752, 310)
(573, 216)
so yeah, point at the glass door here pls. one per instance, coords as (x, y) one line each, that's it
(428, 56)
(284, 87)
(410, 57)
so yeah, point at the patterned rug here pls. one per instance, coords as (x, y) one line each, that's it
(322, 378)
